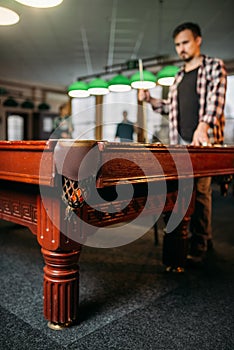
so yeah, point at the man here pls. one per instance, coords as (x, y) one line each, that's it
(63, 127)
(195, 104)
(125, 129)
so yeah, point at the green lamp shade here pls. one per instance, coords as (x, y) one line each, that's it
(27, 104)
(3, 91)
(166, 75)
(43, 106)
(78, 89)
(143, 80)
(98, 87)
(10, 102)
(119, 83)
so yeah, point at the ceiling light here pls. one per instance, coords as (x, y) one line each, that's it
(98, 87)
(40, 3)
(78, 89)
(3, 91)
(43, 106)
(119, 83)
(27, 104)
(166, 75)
(8, 17)
(143, 80)
(10, 102)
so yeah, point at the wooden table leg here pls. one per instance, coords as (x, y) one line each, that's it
(61, 287)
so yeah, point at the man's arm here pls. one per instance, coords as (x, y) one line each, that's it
(158, 105)
(214, 104)
(144, 95)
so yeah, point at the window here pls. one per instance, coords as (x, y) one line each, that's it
(15, 127)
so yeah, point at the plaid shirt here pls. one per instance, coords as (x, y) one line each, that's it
(211, 89)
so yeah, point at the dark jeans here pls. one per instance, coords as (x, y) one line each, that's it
(200, 225)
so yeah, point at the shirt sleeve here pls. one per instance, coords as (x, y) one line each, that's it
(215, 94)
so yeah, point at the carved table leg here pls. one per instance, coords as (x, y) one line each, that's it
(175, 247)
(61, 287)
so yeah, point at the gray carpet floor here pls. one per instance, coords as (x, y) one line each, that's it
(127, 301)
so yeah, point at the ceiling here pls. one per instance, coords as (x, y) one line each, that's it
(53, 47)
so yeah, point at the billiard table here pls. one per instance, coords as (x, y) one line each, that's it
(72, 193)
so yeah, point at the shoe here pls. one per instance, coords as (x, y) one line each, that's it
(195, 260)
(197, 250)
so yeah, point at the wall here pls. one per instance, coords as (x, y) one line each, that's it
(21, 92)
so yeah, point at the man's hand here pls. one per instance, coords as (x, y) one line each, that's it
(143, 95)
(200, 136)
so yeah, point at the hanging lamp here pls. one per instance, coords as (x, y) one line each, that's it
(166, 75)
(8, 17)
(43, 106)
(119, 83)
(78, 89)
(10, 102)
(28, 104)
(146, 80)
(143, 79)
(40, 3)
(98, 86)
(3, 91)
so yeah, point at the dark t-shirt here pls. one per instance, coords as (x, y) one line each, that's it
(188, 105)
(125, 131)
